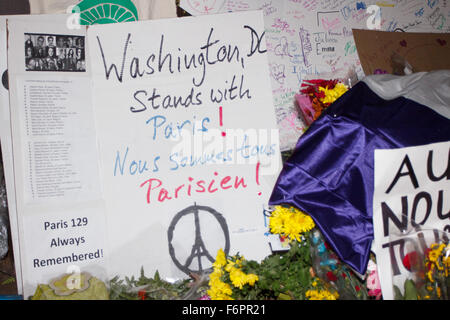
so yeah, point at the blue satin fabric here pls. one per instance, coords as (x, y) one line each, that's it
(330, 175)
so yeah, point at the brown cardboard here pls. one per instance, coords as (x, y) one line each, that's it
(378, 50)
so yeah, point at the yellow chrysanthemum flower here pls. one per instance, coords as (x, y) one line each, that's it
(251, 279)
(230, 265)
(433, 255)
(276, 222)
(332, 95)
(216, 274)
(219, 290)
(290, 222)
(238, 278)
(321, 295)
(430, 275)
(220, 259)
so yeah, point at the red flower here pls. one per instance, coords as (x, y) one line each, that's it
(357, 288)
(410, 259)
(427, 252)
(331, 276)
(344, 275)
(141, 294)
(320, 95)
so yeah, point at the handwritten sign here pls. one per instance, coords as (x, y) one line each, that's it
(410, 197)
(314, 39)
(188, 140)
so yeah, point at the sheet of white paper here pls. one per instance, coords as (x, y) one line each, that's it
(6, 145)
(311, 39)
(184, 115)
(5, 135)
(58, 191)
(409, 184)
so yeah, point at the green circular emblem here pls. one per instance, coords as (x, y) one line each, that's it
(106, 11)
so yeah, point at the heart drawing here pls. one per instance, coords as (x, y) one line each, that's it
(441, 42)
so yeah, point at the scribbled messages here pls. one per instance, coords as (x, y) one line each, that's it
(313, 38)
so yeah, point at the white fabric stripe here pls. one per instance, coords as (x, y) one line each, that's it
(431, 89)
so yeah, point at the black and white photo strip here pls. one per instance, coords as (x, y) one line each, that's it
(50, 52)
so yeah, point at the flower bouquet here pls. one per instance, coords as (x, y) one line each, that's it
(308, 271)
(330, 269)
(317, 95)
(429, 268)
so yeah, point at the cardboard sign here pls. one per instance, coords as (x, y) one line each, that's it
(410, 202)
(379, 50)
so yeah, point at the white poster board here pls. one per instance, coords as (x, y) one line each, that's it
(5, 132)
(411, 194)
(188, 140)
(60, 210)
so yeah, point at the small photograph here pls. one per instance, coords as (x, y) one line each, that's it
(51, 52)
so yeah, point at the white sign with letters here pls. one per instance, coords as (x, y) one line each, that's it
(411, 196)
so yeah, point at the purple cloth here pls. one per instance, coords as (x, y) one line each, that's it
(330, 175)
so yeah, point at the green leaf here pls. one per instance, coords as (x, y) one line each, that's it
(156, 276)
(276, 286)
(304, 277)
(8, 281)
(283, 296)
(410, 290)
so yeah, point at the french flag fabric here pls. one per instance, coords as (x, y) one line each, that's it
(330, 175)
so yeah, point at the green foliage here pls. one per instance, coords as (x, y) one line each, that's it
(284, 276)
(8, 281)
(146, 288)
(409, 289)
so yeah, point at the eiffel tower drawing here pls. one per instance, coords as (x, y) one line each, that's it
(199, 251)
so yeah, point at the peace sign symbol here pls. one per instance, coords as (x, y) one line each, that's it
(199, 249)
